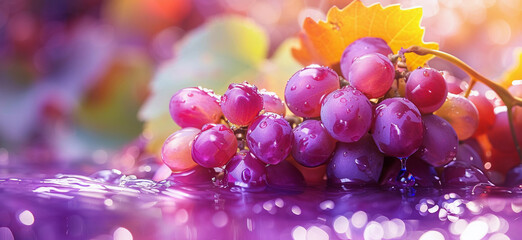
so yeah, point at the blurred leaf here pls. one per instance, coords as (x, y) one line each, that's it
(324, 42)
(224, 50)
(515, 73)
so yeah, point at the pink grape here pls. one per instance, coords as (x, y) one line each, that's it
(427, 89)
(272, 103)
(397, 129)
(245, 170)
(454, 85)
(241, 103)
(311, 143)
(461, 114)
(195, 107)
(269, 138)
(372, 74)
(214, 146)
(440, 141)
(500, 134)
(359, 47)
(176, 151)
(346, 114)
(358, 163)
(305, 89)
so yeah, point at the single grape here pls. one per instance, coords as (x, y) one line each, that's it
(305, 89)
(440, 141)
(500, 133)
(245, 170)
(359, 47)
(195, 107)
(241, 103)
(397, 129)
(426, 89)
(485, 110)
(269, 138)
(372, 74)
(467, 153)
(176, 152)
(514, 177)
(454, 85)
(311, 143)
(272, 103)
(462, 174)
(214, 146)
(285, 176)
(358, 163)
(461, 114)
(346, 114)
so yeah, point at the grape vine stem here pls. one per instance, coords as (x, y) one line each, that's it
(509, 100)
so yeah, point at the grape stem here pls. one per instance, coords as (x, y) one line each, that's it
(509, 100)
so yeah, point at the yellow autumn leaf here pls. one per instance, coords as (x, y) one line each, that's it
(515, 73)
(324, 42)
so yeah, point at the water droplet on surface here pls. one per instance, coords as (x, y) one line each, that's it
(425, 73)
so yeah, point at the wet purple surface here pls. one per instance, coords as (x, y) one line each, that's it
(115, 206)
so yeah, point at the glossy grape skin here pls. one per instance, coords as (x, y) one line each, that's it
(440, 141)
(359, 47)
(311, 143)
(426, 88)
(500, 134)
(358, 163)
(453, 84)
(272, 103)
(176, 152)
(467, 153)
(372, 74)
(245, 170)
(241, 103)
(285, 176)
(514, 177)
(214, 146)
(269, 138)
(195, 107)
(397, 129)
(305, 89)
(461, 114)
(346, 114)
(462, 174)
(485, 110)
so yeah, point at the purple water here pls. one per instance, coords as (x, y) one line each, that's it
(111, 205)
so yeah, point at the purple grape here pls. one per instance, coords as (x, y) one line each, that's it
(311, 143)
(372, 74)
(305, 89)
(196, 176)
(514, 177)
(359, 47)
(195, 107)
(241, 103)
(461, 174)
(467, 153)
(269, 138)
(346, 114)
(440, 141)
(272, 103)
(245, 170)
(427, 89)
(214, 146)
(357, 163)
(397, 129)
(284, 176)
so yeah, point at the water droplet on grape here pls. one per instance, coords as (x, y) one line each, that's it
(308, 86)
(293, 88)
(190, 94)
(263, 124)
(343, 100)
(246, 175)
(319, 74)
(426, 73)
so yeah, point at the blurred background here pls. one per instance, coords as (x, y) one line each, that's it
(84, 83)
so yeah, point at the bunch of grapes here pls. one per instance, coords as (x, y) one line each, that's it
(355, 129)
